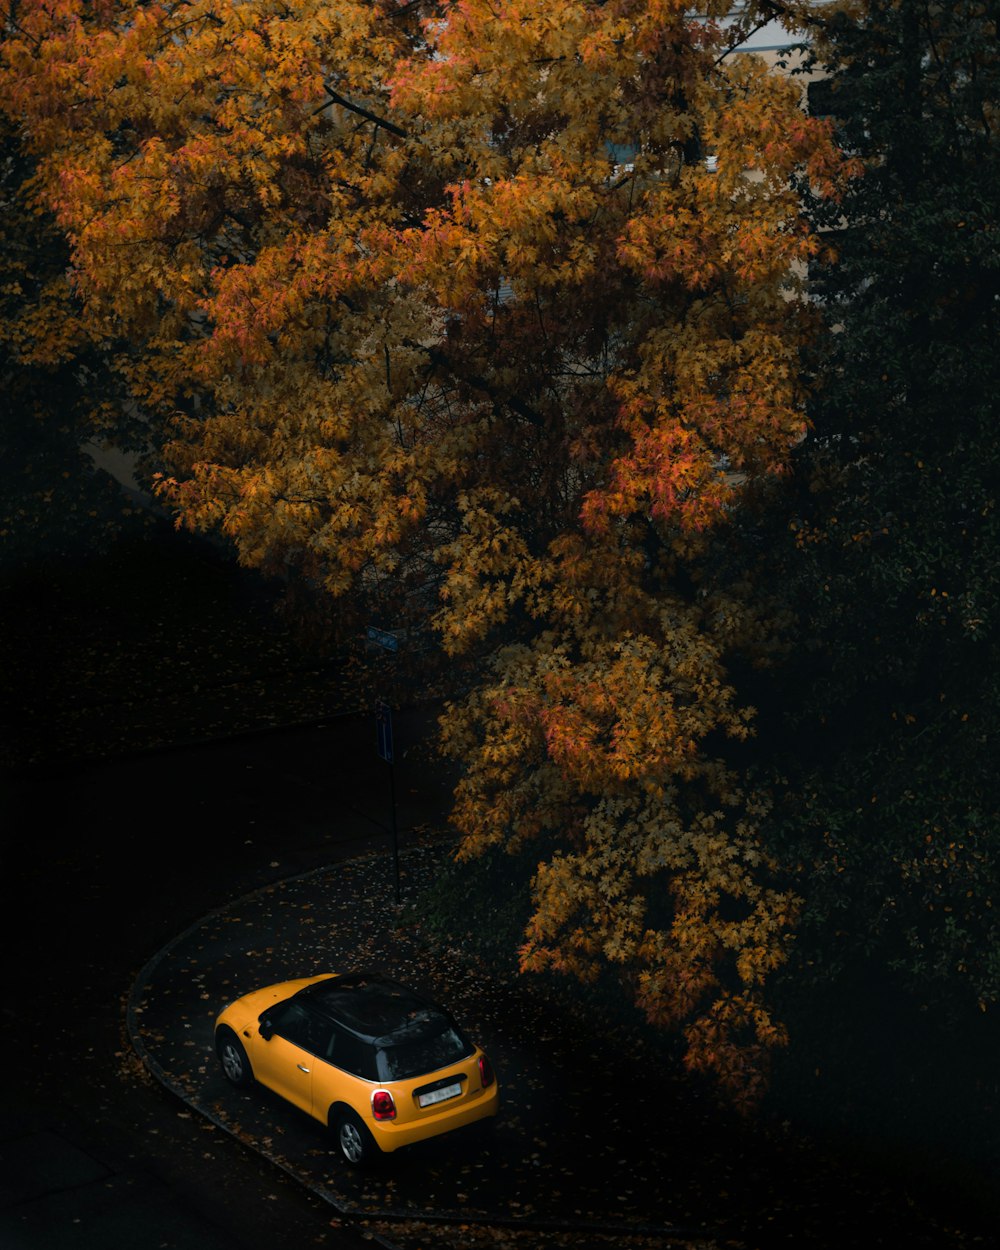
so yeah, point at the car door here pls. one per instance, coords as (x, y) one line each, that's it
(285, 1061)
(345, 1074)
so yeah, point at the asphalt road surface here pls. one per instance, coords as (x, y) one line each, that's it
(103, 864)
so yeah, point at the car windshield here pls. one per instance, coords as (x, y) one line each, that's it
(421, 1055)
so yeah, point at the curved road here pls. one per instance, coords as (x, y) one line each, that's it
(103, 864)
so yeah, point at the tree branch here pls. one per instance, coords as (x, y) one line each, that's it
(440, 359)
(337, 98)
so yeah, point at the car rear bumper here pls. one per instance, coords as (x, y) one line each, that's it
(392, 1135)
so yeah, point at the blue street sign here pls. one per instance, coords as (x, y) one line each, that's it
(383, 730)
(383, 638)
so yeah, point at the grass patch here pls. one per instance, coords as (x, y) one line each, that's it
(479, 909)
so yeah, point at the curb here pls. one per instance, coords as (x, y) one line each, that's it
(154, 1068)
(348, 1211)
(248, 733)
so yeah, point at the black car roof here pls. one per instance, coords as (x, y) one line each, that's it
(375, 1008)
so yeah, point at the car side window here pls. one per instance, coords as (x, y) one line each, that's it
(351, 1054)
(298, 1026)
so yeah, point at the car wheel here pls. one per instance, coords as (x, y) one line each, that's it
(355, 1143)
(233, 1058)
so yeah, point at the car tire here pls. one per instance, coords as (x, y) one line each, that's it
(235, 1064)
(355, 1144)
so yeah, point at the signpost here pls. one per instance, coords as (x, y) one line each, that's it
(383, 738)
(383, 730)
(383, 638)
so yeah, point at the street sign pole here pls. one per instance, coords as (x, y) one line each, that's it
(383, 734)
(395, 832)
(387, 641)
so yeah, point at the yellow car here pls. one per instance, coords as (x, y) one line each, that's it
(380, 1065)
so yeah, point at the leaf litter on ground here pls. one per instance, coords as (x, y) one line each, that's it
(598, 1136)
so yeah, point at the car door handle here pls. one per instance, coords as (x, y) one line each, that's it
(302, 1067)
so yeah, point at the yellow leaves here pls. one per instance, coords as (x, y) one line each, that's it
(608, 752)
(47, 331)
(618, 720)
(488, 569)
(670, 243)
(732, 1041)
(446, 314)
(483, 54)
(671, 471)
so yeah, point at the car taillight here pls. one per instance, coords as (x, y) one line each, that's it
(383, 1108)
(486, 1072)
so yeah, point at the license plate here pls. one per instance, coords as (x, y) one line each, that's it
(439, 1095)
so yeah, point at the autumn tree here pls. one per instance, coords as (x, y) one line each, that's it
(443, 309)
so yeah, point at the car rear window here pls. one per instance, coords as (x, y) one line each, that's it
(420, 1056)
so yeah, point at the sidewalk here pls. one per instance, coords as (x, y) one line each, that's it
(597, 1143)
(560, 1157)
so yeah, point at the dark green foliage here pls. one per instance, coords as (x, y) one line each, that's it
(888, 717)
(880, 552)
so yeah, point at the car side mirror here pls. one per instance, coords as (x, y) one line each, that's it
(266, 1028)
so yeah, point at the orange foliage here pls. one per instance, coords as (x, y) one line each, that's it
(441, 302)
